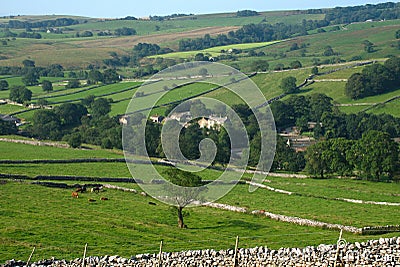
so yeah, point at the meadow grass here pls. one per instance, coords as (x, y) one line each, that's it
(185, 92)
(339, 188)
(27, 116)
(215, 51)
(193, 22)
(161, 97)
(268, 83)
(311, 208)
(119, 108)
(13, 151)
(126, 225)
(8, 109)
(112, 88)
(352, 109)
(392, 108)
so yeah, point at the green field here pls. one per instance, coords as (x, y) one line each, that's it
(126, 225)
(101, 90)
(60, 226)
(195, 22)
(215, 51)
(13, 152)
(80, 52)
(8, 109)
(392, 108)
(347, 43)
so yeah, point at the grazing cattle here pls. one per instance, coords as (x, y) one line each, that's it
(80, 189)
(91, 200)
(143, 194)
(103, 198)
(152, 203)
(75, 195)
(95, 189)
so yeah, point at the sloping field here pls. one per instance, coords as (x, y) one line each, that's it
(215, 51)
(99, 91)
(129, 42)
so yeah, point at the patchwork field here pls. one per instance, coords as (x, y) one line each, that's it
(129, 223)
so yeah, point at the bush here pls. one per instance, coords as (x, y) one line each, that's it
(288, 85)
(73, 84)
(3, 85)
(74, 140)
(106, 143)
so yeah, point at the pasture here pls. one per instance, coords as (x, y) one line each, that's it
(97, 91)
(12, 151)
(127, 225)
(215, 51)
(80, 52)
(8, 109)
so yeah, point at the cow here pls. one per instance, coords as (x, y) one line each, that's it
(152, 203)
(91, 200)
(103, 198)
(96, 189)
(75, 194)
(80, 189)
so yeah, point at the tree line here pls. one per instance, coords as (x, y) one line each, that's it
(345, 15)
(32, 35)
(375, 79)
(373, 157)
(329, 122)
(264, 32)
(348, 144)
(54, 70)
(77, 123)
(60, 22)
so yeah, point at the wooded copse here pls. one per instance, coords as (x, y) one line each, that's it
(375, 79)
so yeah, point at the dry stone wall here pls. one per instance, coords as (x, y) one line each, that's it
(373, 253)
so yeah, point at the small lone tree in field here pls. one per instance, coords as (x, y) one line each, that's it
(73, 83)
(4, 85)
(288, 85)
(398, 34)
(186, 194)
(20, 94)
(315, 70)
(47, 86)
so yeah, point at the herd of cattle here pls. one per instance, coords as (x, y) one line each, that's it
(83, 189)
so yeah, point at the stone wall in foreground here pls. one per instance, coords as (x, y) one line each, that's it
(373, 253)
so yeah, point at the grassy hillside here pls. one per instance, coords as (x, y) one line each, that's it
(128, 225)
(71, 51)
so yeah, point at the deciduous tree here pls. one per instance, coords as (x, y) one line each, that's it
(288, 85)
(188, 192)
(20, 94)
(47, 86)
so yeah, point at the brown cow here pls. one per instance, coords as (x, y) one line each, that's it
(81, 189)
(75, 195)
(91, 200)
(103, 198)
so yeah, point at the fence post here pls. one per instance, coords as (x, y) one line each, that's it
(160, 255)
(84, 256)
(338, 247)
(235, 260)
(30, 257)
